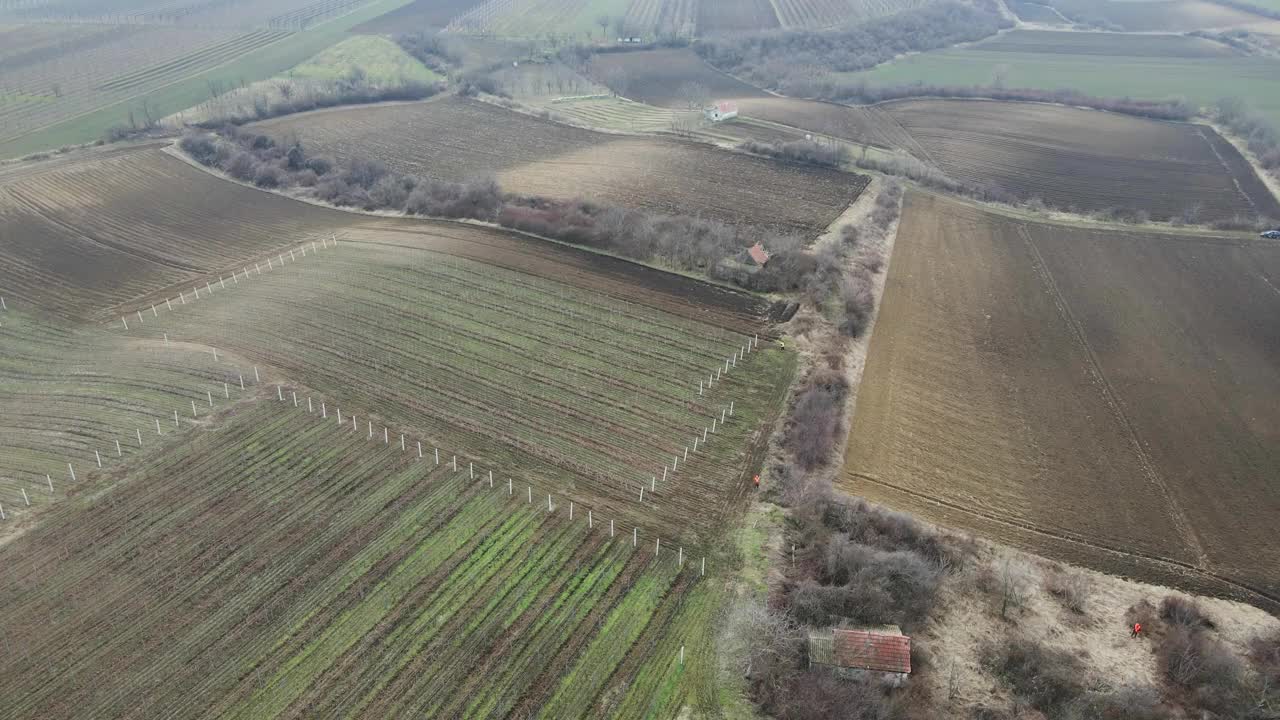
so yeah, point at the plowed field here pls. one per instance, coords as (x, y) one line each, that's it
(1085, 159)
(655, 76)
(730, 16)
(82, 237)
(1100, 397)
(458, 139)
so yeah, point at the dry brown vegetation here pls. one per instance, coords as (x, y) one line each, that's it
(1022, 382)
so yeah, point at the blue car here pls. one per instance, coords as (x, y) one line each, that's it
(1272, 234)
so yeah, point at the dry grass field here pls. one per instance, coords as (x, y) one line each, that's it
(1161, 16)
(1085, 159)
(459, 139)
(1099, 397)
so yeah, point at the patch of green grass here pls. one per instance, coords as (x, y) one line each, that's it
(381, 60)
(1200, 80)
(257, 65)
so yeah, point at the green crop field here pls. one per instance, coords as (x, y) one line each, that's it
(1040, 60)
(380, 58)
(189, 90)
(293, 547)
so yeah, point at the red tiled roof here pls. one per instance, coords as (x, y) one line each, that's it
(727, 106)
(758, 254)
(872, 651)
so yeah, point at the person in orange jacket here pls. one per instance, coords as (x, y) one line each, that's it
(1135, 630)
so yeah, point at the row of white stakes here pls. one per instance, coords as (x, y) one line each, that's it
(235, 278)
(471, 470)
(725, 413)
(730, 362)
(97, 455)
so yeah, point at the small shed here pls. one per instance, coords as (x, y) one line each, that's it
(882, 651)
(758, 254)
(722, 110)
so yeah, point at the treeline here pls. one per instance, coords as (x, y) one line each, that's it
(861, 92)
(1262, 137)
(680, 241)
(432, 50)
(285, 97)
(783, 59)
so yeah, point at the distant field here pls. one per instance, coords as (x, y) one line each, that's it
(186, 86)
(381, 60)
(417, 16)
(458, 139)
(818, 14)
(1160, 15)
(1053, 61)
(729, 16)
(655, 76)
(1086, 159)
(1035, 12)
(536, 18)
(1022, 380)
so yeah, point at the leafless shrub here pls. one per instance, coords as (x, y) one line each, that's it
(1130, 703)
(392, 192)
(1264, 652)
(242, 166)
(808, 152)
(1183, 612)
(268, 176)
(1046, 679)
(814, 427)
(1194, 661)
(1069, 588)
(858, 303)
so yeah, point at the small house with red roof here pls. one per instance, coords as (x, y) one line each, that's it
(884, 650)
(721, 110)
(758, 254)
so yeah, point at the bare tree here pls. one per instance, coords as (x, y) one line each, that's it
(694, 94)
(603, 21)
(620, 27)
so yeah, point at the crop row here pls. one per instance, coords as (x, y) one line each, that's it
(573, 393)
(280, 566)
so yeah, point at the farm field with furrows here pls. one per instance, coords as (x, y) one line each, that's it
(1161, 15)
(1022, 377)
(90, 233)
(664, 18)
(70, 391)
(655, 76)
(417, 16)
(455, 139)
(817, 14)
(585, 396)
(279, 565)
(729, 16)
(1086, 159)
(1151, 67)
(574, 19)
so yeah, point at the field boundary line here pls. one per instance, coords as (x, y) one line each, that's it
(1180, 521)
(1227, 169)
(1178, 565)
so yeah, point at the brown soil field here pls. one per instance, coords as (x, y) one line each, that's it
(730, 16)
(458, 139)
(1086, 159)
(1164, 15)
(1098, 397)
(655, 76)
(85, 235)
(417, 16)
(863, 125)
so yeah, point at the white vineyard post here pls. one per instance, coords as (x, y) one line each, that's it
(97, 457)
(257, 267)
(126, 323)
(291, 257)
(26, 499)
(355, 426)
(681, 656)
(269, 265)
(635, 536)
(664, 473)
(680, 561)
(50, 481)
(549, 502)
(255, 374)
(695, 443)
(510, 489)
(570, 509)
(339, 415)
(241, 380)
(642, 494)
(370, 429)
(215, 354)
(490, 478)
(722, 412)
(653, 483)
(610, 528)
(455, 463)
(175, 418)
(402, 442)
(3, 306)
(119, 452)
(386, 435)
(437, 451)
(139, 316)
(157, 426)
(530, 500)
(222, 283)
(703, 571)
(226, 392)
(72, 471)
(657, 546)
(730, 408)
(675, 463)
(153, 311)
(309, 406)
(139, 431)
(182, 297)
(704, 435)
(193, 408)
(279, 393)
(168, 304)
(209, 287)
(699, 386)
(686, 453)
(295, 398)
(590, 523)
(324, 412)
(2, 517)
(166, 338)
(419, 449)
(471, 471)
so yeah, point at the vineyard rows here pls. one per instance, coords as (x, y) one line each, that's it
(580, 394)
(828, 13)
(286, 566)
